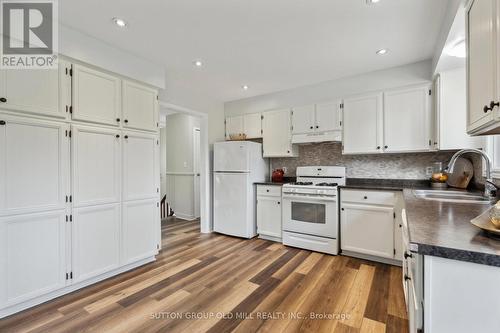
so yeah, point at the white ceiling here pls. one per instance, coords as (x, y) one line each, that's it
(270, 45)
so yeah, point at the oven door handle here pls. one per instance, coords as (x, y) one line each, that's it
(315, 198)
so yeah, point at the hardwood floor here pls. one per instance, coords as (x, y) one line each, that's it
(259, 286)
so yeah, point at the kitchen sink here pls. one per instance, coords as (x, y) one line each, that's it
(451, 196)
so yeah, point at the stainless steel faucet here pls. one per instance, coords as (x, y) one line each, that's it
(490, 189)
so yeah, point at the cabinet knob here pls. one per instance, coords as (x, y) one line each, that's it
(487, 108)
(126, 136)
(126, 121)
(408, 255)
(117, 136)
(288, 151)
(2, 122)
(378, 147)
(3, 99)
(386, 147)
(365, 197)
(493, 104)
(317, 126)
(407, 277)
(118, 119)
(311, 127)
(267, 190)
(342, 209)
(279, 203)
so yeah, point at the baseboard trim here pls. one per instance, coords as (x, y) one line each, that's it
(13, 309)
(185, 216)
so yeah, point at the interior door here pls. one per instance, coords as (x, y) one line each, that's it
(34, 91)
(407, 120)
(96, 96)
(96, 165)
(139, 226)
(367, 229)
(231, 196)
(277, 133)
(234, 126)
(139, 106)
(32, 255)
(329, 117)
(139, 166)
(34, 162)
(362, 124)
(95, 240)
(253, 125)
(303, 119)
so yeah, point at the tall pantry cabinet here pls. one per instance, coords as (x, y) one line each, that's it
(79, 180)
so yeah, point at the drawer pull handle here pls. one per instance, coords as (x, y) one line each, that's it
(3, 99)
(408, 255)
(365, 197)
(407, 277)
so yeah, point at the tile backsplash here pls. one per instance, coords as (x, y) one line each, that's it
(388, 166)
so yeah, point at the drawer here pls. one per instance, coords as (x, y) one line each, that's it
(385, 198)
(269, 190)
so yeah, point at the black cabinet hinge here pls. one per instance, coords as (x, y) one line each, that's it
(71, 275)
(157, 204)
(394, 251)
(71, 72)
(394, 214)
(67, 218)
(71, 218)
(70, 198)
(69, 134)
(157, 190)
(67, 276)
(261, 117)
(341, 105)
(71, 109)
(157, 142)
(261, 131)
(430, 92)
(67, 198)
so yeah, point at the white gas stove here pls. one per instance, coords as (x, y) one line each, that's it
(310, 209)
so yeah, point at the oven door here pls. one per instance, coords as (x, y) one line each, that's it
(311, 215)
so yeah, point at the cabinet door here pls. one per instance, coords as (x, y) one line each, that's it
(407, 120)
(234, 126)
(35, 91)
(96, 165)
(140, 109)
(362, 124)
(269, 216)
(329, 117)
(303, 119)
(253, 125)
(480, 61)
(277, 134)
(96, 96)
(139, 230)
(34, 162)
(32, 255)
(140, 170)
(95, 241)
(368, 230)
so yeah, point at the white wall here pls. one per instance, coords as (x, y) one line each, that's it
(179, 167)
(85, 48)
(331, 90)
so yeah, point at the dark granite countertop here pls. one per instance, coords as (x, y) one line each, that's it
(443, 229)
(269, 183)
(386, 184)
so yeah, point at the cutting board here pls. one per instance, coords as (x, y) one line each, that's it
(462, 173)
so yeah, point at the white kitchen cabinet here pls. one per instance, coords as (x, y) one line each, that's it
(140, 106)
(234, 126)
(450, 102)
(269, 223)
(34, 167)
(483, 112)
(95, 240)
(407, 119)
(140, 166)
(34, 91)
(140, 222)
(96, 165)
(303, 119)
(252, 125)
(32, 256)
(277, 134)
(329, 117)
(367, 229)
(96, 96)
(362, 124)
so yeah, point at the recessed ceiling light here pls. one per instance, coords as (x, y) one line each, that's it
(119, 22)
(198, 63)
(371, 2)
(382, 51)
(245, 87)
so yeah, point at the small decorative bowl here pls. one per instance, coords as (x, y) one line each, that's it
(495, 215)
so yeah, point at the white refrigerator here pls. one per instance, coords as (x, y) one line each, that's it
(237, 166)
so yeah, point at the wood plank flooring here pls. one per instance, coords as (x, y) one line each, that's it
(214, 283)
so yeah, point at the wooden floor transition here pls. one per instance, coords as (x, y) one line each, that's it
(215, 283)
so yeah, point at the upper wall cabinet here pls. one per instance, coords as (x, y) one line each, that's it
(96, 96)
(450, 102)
(140, 106)
(407, 120)
(362, 124)
(277, 134)
(483, 33)
(248, 124)
(317, 123)
(39, 92)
